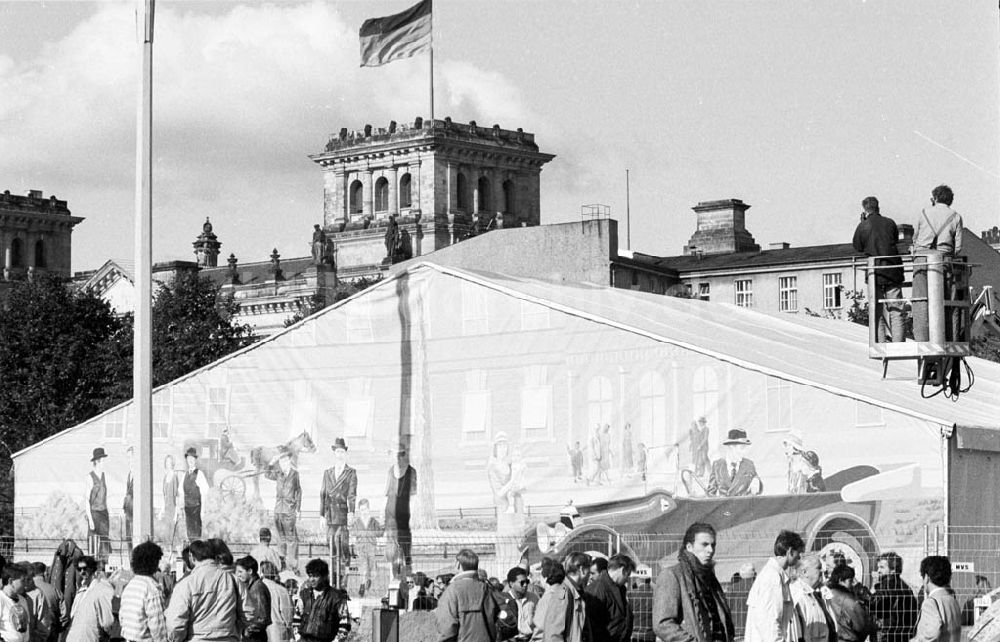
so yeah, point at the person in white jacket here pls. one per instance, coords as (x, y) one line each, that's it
(770, 610)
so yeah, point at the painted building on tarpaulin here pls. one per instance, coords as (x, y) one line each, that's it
(514, 396)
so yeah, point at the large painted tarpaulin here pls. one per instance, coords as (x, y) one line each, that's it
(517, 404)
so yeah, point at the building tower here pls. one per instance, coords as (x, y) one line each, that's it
(441, 182)
(206, 247)
(721, 228)
(35, 236)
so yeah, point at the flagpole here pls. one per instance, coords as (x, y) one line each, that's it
(432, 68)
(142, 357)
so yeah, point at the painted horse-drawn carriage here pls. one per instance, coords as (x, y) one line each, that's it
(227, 469)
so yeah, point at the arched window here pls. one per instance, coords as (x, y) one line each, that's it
(600, 402)
(17, 253)
(357, 197)
(462, 197)
(652, 409)
(382, 195)
(405, 198)
(40, 254)
(508, 196)
(483, 205)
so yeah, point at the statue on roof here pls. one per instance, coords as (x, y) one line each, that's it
(320, 253)
(393, 240)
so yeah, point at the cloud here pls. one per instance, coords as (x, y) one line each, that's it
(241, 98)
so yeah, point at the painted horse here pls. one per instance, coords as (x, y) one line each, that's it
(264, 459)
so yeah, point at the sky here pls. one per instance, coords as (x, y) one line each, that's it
(800, 108)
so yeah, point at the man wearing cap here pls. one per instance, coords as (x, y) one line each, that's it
(337, 502)
(734, 475)
(400, 487)
(287, 504)
(96, 501)
(193, 488)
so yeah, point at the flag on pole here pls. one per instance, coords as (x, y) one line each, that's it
(397, 36)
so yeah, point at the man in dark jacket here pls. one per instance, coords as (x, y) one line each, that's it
(468, 608)
(608, 608)
(853, 622)
(876, 235)
(893, 605)
(324, 614)
(337, 501)
(688, 602)
(256, 600)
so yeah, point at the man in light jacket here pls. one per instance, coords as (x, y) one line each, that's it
(770, 611)
(810, 606)
(940, 614)
(561, 615)
(206, 604)
(92, 616)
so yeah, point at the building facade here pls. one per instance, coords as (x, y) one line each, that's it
(35, 236)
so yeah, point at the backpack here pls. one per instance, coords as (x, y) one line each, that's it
(507, 616)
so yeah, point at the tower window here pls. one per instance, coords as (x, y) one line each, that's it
(382, 195)
(405, 198)
(462, 198)
(483, 203)
(17, 253)
(357, 197)
(40, 254)
(508, 196)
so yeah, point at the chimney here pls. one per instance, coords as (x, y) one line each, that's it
(721, 228)
(781, 245)
(905, 232)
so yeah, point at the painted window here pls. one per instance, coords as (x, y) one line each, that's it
(652, 409)
(534, 316)
(162, 413)
(217, 410)
(477, 404)
(705, 395)
(779, 404)
(600, 402)
(475, 314)
(536, 404)
(114, 425)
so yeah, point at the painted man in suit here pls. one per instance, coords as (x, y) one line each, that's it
(337, 501)
(734, 475)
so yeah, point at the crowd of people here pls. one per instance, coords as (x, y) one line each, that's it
(216, 599)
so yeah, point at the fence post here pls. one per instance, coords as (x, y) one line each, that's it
(927, 539)
(937, 539)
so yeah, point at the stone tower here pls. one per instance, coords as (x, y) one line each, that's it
(441, 182)
(206, 247)
(721, 228)
(35, 235)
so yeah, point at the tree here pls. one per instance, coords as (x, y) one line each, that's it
(64, 357)
(193, 326)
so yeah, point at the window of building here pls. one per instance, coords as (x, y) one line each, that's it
(534, 316)
(475, 313)
(508, 196)
(405, 198)
(382, 195)
(635, 278)
(477, 404)
(359, 321)
(744, 293)
(483, 204)
(162, 411)
(114, 425)
(462, 188)
(704, 291)
(788, 294)
(652, 409)
(359, 408)
(217, 410)
(779, 404)
(40, 254)
(705, 395)
(357, 197)
(600, 402)
(831, 291)
(536, 404)
(17, 253)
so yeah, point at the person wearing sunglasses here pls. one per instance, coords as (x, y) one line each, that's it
(517, 608)
(92, 616)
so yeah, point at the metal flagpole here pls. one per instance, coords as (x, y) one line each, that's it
(628, 215)
(432, 65)
(142, 358)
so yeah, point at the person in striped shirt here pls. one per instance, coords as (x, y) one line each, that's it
(141, 613)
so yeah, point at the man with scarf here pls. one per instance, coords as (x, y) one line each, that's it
(688, 602)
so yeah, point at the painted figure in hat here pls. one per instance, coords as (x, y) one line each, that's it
(194, 487)
(400, 488)
(698, 436)
(366, 529)
(287, 505)
(337, 501)
(96, 501)
(794, 448)
(734, 475)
